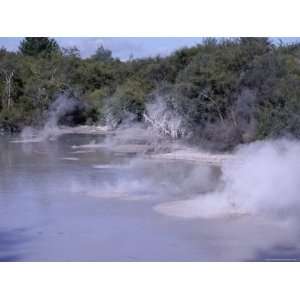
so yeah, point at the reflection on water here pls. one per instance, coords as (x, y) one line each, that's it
(60, 203)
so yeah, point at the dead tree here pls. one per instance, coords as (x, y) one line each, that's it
(218, 109)
(157, 125)
(8, 77)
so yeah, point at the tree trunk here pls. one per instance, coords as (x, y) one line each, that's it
(217, 107)
(8, 79)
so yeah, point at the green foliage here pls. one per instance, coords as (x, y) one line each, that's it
(280, 104)
(34, 46)
(95, 100)
(102, 54)
(226, 91)
(128, 101)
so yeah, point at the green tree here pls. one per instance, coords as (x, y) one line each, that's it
(34, 46)
(102, 54)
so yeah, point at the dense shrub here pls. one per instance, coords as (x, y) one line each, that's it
(225, 91)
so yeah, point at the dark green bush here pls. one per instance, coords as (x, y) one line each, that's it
(226, 91)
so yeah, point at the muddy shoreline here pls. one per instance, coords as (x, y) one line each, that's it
(128, 141)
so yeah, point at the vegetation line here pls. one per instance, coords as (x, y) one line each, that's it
(225, 92)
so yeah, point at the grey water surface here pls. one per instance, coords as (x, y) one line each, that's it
(59, 203)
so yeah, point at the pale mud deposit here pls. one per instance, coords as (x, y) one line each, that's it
(89, 147)
(31, 135)
(160, 151)
(70, 158)
(85, 129)
(126, 149)
(193, 156)
(137, 140)
(118, 195)
(155, 146)
(204, 208)
(82, 151)
(110, 167)
(132, 149)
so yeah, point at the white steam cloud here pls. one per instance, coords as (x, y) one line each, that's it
(59, 108)
(263, 179)
(163, 119)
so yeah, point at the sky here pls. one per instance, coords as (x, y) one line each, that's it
(123, 47)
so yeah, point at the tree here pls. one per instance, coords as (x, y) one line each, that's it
(34, 46)
(128, 102)
(7, 73)
(102, 54)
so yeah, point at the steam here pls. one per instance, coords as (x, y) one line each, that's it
(263, 179)
(160, 115)
(164, 119)
(142, 179)
(161, 126)
(244, 112)
(61, 107)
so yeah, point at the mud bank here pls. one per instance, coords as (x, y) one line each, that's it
(32, 135)
(143, 142)
(193, 156)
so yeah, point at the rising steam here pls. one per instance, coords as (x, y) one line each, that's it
(61, 107)
(164, 119)
(263, 179)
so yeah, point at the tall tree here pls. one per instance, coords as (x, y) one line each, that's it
(102, 54)
(34, 46)
(7, 73)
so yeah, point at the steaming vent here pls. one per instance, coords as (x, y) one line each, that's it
(66, 111)
(164, 119)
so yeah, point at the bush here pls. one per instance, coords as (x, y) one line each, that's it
(127, 102)
(224, 92)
